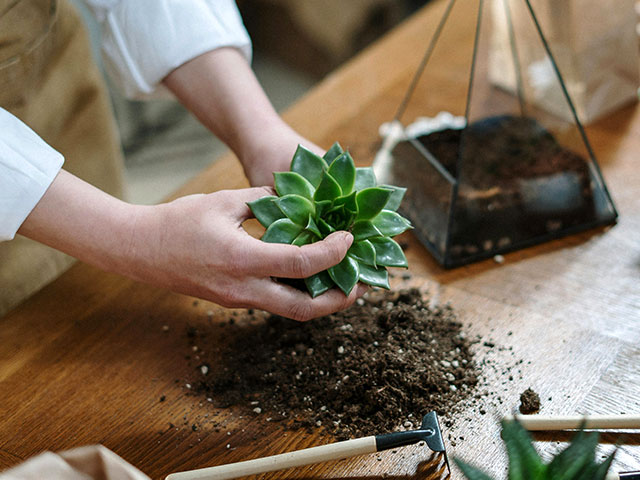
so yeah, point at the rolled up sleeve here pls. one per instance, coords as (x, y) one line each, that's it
(28, 166)
(144, 40)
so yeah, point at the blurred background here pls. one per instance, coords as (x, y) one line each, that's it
(165, 146)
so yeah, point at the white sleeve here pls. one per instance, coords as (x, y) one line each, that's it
(27, 167)
(144, 40)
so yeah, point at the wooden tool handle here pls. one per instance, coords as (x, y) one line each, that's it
(323, 453)
(551, 422)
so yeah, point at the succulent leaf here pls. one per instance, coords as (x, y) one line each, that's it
(371, 201)
(524, 460)
(337, 217)
(388, 252)
(281, 231)
(325, 228)
(309, 165)
(576, 462)
(333, 153)
(296, 208)
(304, 238)
(265, 210)
(312, 226)
(320, 195)
(349, 202)
(378, 277)
(363, 252)
(601, 470)
(287, 183)
(364, 229)
(472, 473)
(396, 197)
(328, 189)
(345, 274)
(343, 170)
(319, 283)
(365, 178)
(322, 206)
(391, 223)
(576, 457)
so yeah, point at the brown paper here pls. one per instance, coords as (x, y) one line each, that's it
(84, 463)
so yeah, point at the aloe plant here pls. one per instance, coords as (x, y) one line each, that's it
(321, 195)
(576, 462)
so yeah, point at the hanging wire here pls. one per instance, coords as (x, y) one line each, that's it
(516, 58)
(571, 106)
(456, 185)
(423, 63)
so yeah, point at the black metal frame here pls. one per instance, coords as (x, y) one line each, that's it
(445, 259)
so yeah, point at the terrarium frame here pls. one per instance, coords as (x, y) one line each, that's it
(458, 221)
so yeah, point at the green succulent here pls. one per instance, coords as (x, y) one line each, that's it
(576, 462)
(321, 195)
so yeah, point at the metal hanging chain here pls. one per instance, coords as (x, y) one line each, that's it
(423, 63)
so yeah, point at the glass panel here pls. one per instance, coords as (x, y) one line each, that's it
(526, 174)
(487, 167)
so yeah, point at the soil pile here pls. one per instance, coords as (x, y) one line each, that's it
(378, 366)
(529, 402)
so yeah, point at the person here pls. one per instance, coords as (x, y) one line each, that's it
(199, 51)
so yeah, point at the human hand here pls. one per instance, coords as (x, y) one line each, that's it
(196, 245)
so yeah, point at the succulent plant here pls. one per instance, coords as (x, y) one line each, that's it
(321, 195)
(576, 462)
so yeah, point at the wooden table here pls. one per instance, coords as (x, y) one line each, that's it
(86, 360)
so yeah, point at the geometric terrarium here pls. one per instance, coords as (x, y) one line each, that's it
(487, 166)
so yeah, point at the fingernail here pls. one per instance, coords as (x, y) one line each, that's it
(346, 235)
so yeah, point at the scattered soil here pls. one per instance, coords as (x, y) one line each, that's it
(378, 366)
(516, 183)
(529, 402)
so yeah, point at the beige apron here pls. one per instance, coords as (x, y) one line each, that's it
(49, 81)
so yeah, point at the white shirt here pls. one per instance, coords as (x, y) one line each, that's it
(142, 42)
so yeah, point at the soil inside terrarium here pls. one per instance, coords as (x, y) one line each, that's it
(378, 366)
(516, 183)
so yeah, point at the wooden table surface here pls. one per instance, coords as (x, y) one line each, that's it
(86, 360)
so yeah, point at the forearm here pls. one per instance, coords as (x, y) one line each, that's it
(84, 222)
(220, 88)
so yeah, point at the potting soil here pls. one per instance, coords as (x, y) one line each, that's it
(378, 366)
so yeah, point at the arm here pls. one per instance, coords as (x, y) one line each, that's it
(200, 50)
(194, 245)
(220, 88)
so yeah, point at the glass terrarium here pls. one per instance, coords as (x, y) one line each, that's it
(487, 168)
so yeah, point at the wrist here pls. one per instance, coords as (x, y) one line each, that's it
(271, 150)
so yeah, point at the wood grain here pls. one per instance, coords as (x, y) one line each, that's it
(87, 360)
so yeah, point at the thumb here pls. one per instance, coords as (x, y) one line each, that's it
(281, 260)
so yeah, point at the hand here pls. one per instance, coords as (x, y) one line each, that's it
(197, 245)
(194, 245)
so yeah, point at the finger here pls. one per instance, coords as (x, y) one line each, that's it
(289, 302)
(239, 198)
(289, 261)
